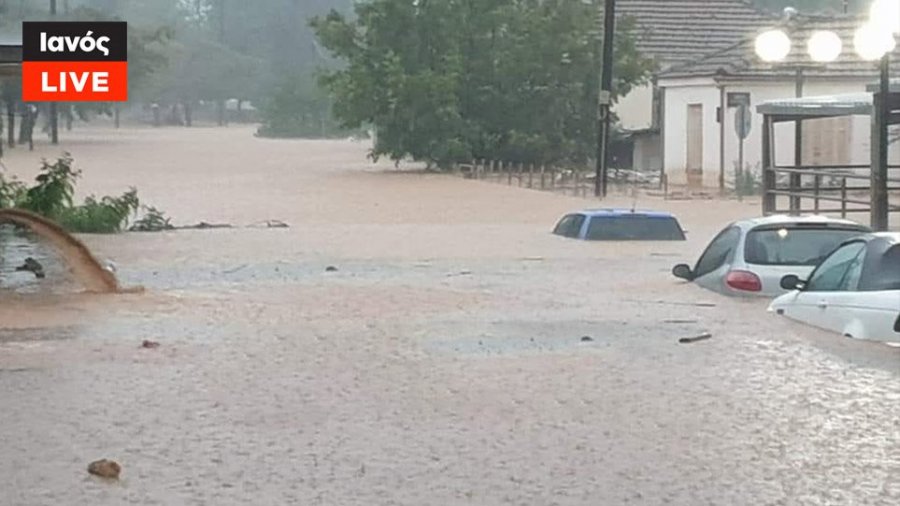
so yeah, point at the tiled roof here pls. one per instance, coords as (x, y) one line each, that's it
(679, 31)
(741, 62)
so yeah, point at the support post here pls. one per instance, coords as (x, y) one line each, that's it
(722, 111)
(768, 200)
(879, 211)
(843, 197)
(798, 149)
(604, 99)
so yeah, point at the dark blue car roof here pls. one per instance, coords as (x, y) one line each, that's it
(615, 212)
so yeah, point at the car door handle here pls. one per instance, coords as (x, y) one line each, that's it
(823, 304)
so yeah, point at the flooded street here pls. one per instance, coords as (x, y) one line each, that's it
(442, 363)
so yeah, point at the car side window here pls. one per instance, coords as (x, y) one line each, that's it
(850, 283)
(575, 229)
(836, 272)
(718, 251)
(569, 226)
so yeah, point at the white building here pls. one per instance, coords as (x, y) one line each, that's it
(674, 33)
(698, 149)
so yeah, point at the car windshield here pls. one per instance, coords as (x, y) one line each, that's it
(794, 245)
(634, 228)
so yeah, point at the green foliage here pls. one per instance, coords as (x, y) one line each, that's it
(153, 220)
(11, 192)
(51, 196)
(456, 79)
(748, 182)
(298, 108)
(105, 216)
(54, 189)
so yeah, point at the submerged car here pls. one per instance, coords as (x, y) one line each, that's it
(855, 291)
(620, 225)
(750, 257)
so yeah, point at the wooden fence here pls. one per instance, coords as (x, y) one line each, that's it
(577, 182)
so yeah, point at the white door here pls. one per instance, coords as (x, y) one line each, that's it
(695, 145)
(822, 302)
(869, 314)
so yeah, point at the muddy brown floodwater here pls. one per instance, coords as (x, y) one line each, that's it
(442, 363)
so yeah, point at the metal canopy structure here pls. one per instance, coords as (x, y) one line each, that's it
(870, 180)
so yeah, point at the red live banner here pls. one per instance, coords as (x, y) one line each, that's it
(90, 81)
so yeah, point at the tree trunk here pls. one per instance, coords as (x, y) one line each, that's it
(23, 126)
(116, 112)
(11, 123)
(188, 115)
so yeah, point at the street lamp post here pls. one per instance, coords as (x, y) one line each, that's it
(873, 41)
(774, 46)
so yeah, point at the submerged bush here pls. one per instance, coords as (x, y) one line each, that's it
(52, 197)
(105, 216)
(154, 220)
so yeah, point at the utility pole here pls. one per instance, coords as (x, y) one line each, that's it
(604, 98)
(54, 120)
(879, 207)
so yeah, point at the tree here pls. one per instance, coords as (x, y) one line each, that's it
(445, 81)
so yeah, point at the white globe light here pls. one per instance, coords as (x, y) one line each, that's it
(824, 46)
(773, 45)
(872, 42)
(885, 14)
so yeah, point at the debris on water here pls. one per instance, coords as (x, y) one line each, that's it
(331, 268)
(679, 322)
(702, 337)
(460, 273)
(204, 225)
(587, 339)
(150, 345)
(33, 266)
(672, 303)
(232, 271)
(105, 468)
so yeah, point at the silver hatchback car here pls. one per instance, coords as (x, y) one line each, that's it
(750, 257)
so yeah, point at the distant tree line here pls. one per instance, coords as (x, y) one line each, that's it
(188, 53)
(452, 80)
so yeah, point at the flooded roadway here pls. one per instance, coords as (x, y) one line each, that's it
(442, 363)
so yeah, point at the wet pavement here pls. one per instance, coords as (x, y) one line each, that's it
(442, 363)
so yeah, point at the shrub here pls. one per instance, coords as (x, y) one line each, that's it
(105, 216)
(52, 197)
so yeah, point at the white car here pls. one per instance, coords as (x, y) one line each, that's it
(855, 291)
(750, 257)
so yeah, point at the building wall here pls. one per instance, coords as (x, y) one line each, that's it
(679, 94)
(647, 152)
(635, 110)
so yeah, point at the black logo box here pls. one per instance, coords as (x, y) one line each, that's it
(116, 31)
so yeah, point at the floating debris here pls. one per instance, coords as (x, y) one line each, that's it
(33, 266)
(587, 339)
(104, 468)
(694, 339)
(150, 345)
(331, 268)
